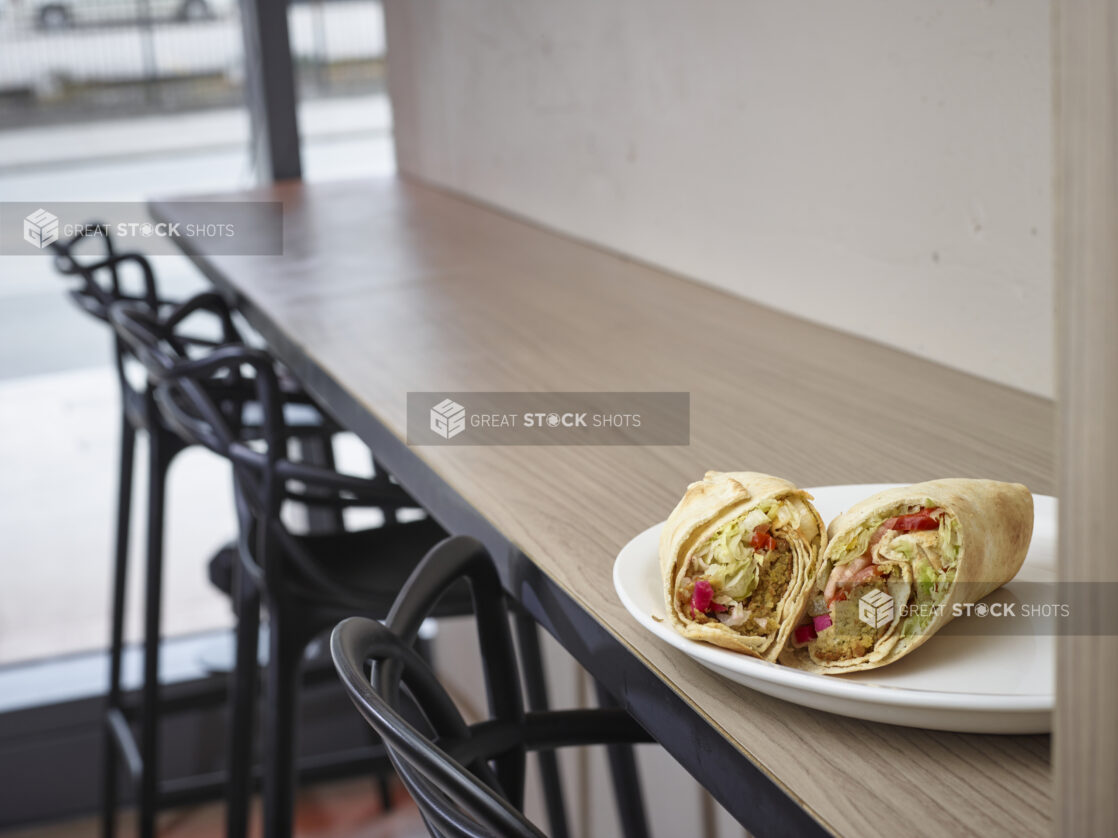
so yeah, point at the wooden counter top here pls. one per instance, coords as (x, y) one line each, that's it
(387, 287)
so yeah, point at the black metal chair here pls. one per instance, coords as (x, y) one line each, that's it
(94, 296)
(103, 277)
(468, 780)
(306, 582)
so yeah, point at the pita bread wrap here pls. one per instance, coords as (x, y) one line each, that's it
(738, 556)
(897, 562)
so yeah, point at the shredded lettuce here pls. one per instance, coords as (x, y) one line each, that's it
(754, 519)
(949, 542)
(931, 585)
(914, 624)
(858, 541)
(925, 576)
(791, 514)
(931, 588)
(736, 580)
(902, 548)
(727, 560)
(786, 515)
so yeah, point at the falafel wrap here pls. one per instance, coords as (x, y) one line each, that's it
(738, 556)
(897, 562)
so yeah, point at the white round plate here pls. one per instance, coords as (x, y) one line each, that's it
(968, 678)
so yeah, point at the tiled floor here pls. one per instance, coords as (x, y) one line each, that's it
(344, 809)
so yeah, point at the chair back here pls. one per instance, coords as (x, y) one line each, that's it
(108, 277)
(203, 392)
(467, 780)
(102, 274)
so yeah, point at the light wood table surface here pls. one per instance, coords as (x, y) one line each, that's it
(387, 287)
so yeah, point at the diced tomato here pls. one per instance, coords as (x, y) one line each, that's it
(923, 520)
(761, 538)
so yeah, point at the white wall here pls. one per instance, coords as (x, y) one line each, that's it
(882, 167)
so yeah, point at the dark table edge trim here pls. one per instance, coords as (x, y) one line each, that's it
(759, 801)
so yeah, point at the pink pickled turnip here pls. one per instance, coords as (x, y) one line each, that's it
(804, 633)
(821, 622)
(703, 596)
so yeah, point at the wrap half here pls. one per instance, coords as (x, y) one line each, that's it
(897, 562)
(738, 556)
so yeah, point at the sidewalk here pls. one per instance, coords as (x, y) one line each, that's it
(189, 133)
(130, 160)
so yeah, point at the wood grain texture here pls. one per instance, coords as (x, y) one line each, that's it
(391, 287)
(1086, 741)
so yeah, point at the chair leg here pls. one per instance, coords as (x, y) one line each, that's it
(384, 789)
(243, 682)
(286, 649)
(626, 782)
(159, 461)
(527, 632)
(116, 640)
(318, 449)
(380, 475)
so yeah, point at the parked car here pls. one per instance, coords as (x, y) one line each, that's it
(59, 14)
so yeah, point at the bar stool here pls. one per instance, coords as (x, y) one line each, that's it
(305, 582)
(101, 286)
(468, 780)
(102, 283)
